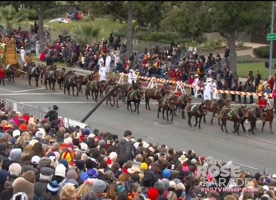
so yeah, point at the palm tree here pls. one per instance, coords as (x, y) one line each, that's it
(85, 34)
(9, 17)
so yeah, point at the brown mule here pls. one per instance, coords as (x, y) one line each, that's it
(94, 87)
(254, 113)
(268, 116)
(236, 115)
(10, 72)
(181, 102)
(50, 77)
(168, 105)
(215, 107)
(114, 97)
(134, 96)
(34, 72)
(154, 93)
(197, 110)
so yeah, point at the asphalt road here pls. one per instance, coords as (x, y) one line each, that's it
(251, 150)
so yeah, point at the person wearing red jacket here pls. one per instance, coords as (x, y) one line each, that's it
(274, 100)
(2, 75)
(262, 103)
(178, 92)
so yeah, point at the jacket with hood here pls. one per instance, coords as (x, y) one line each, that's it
(125, 149)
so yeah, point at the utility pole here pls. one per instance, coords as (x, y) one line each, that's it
(271, 42)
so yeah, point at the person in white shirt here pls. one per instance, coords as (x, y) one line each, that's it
(37, 47)
(132, 76)
(107, 62)
(101, 60)
(22, 54)
(214, 89)
(102, 72)
(195, 85)
(207, 90)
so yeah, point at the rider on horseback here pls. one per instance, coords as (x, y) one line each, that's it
(178, 93)
(167, 96)
(262, 103)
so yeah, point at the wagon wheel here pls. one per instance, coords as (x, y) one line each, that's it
(112, 101)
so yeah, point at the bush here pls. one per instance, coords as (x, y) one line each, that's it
(262, 52)
(32, 14)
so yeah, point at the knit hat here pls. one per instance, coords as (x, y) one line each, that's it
(92, 173)
(52, 187)
(55, 107)
(15, 154)
(3, 176)
(86, 131)
(44, 162)
(46, 171)
(64, 162)
(120, 188)
(144, 166)
(23, 127)
(84, 176)
(166, 183)
(152, 194)
(20, 195)
(60, 170)
(80, 164)
(99, 186)
(22, 185)
(72, 174)
(166, 174)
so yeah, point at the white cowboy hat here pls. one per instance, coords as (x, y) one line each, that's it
(182, 159)
(134, 169)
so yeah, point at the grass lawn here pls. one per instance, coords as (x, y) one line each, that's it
(106, 26)
(243, 69)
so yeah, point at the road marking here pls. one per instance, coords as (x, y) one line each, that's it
(30, 94)
(57, 102)
(19, 91)
(6, 90)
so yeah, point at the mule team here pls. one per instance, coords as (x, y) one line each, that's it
(134, 93)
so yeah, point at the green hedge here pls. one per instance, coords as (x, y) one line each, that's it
(32, 14)
(262, 52)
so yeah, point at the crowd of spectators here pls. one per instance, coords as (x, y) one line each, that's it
(42, 159)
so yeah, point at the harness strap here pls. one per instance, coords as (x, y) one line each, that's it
(155, 93)
(212, 104)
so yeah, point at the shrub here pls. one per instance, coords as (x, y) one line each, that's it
(32, 14)
(262, 52)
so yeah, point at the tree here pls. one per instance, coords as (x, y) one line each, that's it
(148, 13)
(40, 7)
(9, 17)
(129, 46)
(15, 4)
(231, 17)
(85, 34)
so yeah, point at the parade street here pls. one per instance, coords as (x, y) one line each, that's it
(253, 150)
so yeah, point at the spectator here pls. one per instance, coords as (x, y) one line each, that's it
(125, 146)
(258, 79)
(2, 75)
(52, 115)
(239, 89)
(233, 88)
(274, 100)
